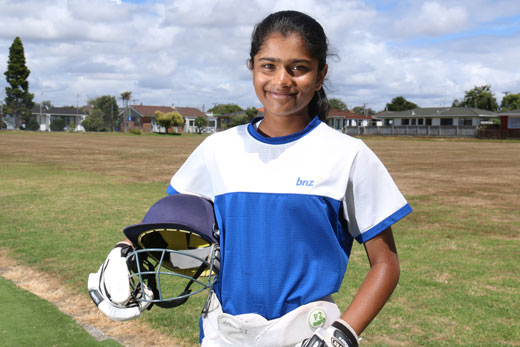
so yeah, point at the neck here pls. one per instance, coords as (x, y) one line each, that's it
(277, 126)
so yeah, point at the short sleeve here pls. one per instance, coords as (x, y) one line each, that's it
(193, 177)
(372, 201)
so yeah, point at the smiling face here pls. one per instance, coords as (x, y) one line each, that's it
(285, 76)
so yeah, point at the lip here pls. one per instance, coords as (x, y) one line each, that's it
(280, 95)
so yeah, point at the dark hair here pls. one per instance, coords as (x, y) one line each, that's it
(293, 22)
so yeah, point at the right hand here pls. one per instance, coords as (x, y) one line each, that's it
(339, 334)
(110, 289)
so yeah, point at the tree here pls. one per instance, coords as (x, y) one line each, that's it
(225, 108)
(18, 100)
(399, 103)
(478, 97)
(238, 120)
(125, 96)
(107, 104)
(337, 104)
(164, 119)
(2, 124)
(169, 119)
(94, 121)
(201, 122)
(363, 110)
(510, 102)
(251, 112)
(32, 124)
(58, 124)
(178, 121)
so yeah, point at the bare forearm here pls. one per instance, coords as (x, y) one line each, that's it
(377, 287)
(379, 283)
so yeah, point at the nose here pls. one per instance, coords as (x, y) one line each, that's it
(282, 78)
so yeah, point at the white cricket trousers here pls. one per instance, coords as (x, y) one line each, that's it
(224, 330)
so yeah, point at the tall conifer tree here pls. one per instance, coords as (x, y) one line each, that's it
(18, 100)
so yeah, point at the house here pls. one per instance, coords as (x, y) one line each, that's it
(437, 116)
(72, 116)
(510, 123)
(432, 121)
(190, 114)
(339, 119)
(142, 117)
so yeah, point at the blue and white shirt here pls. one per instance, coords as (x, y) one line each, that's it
(288, 209)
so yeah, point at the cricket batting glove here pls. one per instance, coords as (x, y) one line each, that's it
(110, 288)
(339, 334)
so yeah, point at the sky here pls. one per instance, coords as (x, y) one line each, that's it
(193, 53)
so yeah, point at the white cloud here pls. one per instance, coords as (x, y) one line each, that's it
(434, 19)
(193, 53)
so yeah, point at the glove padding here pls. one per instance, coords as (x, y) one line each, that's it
(339, 334)
(110, 288)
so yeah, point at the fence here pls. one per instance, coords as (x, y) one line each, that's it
(413, 130)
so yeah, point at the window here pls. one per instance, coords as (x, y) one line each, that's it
(191, 123)
(405, 121)
(446, 121)
(414, 121)
(420, 121)
(428, 121)
(513, 123)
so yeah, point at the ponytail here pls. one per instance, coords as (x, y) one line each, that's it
(319, 105)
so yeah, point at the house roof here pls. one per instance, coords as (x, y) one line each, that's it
(190, 112)
(36, 109)
(438, 112)
(335, 113)
(510, 113)
(59, 111)
(149, 111)
(65, 110)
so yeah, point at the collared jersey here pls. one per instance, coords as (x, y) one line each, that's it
(288, 209)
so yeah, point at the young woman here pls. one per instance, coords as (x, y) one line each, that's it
(290, 196)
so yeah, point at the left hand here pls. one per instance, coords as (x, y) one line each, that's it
(339, 334)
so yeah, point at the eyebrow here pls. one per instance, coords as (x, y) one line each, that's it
(276, 60)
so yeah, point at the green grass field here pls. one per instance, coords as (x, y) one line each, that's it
(65, 198)
(28, 320)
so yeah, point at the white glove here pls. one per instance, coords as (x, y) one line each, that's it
(110, 288)
(339, 334)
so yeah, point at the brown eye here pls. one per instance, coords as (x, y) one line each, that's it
(299, 69)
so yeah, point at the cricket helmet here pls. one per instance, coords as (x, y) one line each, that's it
(176, 242)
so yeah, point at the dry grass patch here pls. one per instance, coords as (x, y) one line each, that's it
(134, 158)
(469, 173)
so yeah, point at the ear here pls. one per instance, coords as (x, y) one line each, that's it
(251, 68)
(321, 77)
